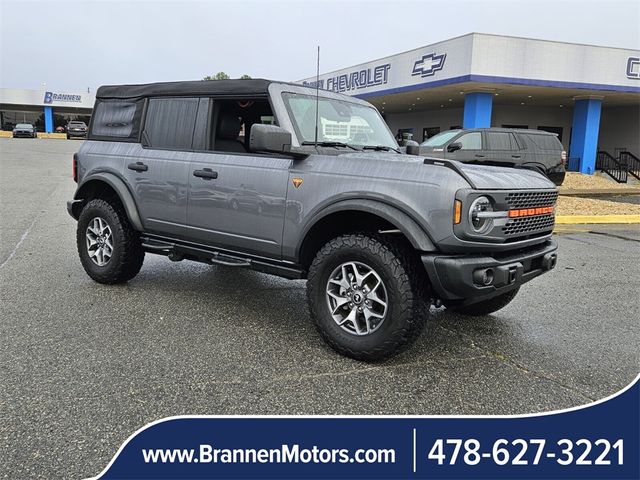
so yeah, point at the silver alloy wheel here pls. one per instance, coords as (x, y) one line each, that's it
(357, 298)
(99, 241)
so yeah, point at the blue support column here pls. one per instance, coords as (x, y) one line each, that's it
(477, 110)
(584, 133)
(48, 119)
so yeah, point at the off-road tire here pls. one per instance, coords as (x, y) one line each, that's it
(128, 254)
(406, 284)
(488, 306)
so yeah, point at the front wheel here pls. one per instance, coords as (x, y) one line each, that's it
(488, 306)
(366, 296)
(110, 249)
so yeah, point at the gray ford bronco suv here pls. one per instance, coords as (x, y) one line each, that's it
(305, 184)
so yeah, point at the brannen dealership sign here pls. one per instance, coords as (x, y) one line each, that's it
(50, 97)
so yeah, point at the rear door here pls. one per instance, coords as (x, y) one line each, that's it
(159, 173)
(502, 147)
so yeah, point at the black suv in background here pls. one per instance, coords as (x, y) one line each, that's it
(507, 147)
(76, 129)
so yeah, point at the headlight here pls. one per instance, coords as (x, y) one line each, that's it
(480, 217)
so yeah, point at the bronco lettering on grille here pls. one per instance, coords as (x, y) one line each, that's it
(526, 212)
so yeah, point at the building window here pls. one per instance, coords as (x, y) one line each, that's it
(428, 132)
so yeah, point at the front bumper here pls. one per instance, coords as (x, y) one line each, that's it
(460, 279)
(24, 134)
(79, 133)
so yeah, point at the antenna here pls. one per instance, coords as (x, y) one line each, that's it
(317, 94)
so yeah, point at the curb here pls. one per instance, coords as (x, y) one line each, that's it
(595, 192)
(595, 219)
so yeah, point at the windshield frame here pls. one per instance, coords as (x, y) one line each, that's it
(289, 121)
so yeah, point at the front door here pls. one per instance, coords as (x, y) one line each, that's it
(470, 148)
(237, 201)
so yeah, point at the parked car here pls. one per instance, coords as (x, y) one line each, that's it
(24, 130)
(60, 129)
(534, 149)
(76, 130)
(380, 235)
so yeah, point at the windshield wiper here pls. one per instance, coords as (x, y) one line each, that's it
(380, 147)
(331, 144)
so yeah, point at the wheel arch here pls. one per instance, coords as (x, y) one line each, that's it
(105, 185)
(353, 215)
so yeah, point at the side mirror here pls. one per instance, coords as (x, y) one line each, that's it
(454, 146)
(269, 138)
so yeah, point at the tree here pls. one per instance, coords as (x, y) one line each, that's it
(217, 76)
(224, 76)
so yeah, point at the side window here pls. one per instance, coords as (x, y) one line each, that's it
(117, 120)
(501, 141)
(232, 122)
(170, 122)
(470, 141)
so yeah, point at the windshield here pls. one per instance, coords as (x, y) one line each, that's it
(440, 139)
(338, 121)
(24, 125)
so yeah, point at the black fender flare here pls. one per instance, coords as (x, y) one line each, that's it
(416, 235)
(121, 190)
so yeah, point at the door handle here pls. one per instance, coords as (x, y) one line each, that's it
(205, 173)
(138, 167)
(516, 156)
(479, 156)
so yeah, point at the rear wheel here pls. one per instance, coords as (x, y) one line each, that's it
(110, 249)
(488, 306)
(366, 296)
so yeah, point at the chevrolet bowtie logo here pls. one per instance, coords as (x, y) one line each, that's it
(429, 64)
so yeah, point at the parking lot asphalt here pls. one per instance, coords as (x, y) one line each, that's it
(83, 365)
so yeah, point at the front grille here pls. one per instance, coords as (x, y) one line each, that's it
(531, 199)
(526, 225)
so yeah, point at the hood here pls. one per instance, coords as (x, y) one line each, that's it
(479, 176)
(501, 178)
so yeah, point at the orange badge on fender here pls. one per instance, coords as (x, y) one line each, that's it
(297, 181)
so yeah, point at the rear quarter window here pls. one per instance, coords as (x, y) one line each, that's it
(116, 120)
(542, 142)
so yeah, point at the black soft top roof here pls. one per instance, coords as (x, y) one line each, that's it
(257, 86)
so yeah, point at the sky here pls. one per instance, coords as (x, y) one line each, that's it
(78, 45)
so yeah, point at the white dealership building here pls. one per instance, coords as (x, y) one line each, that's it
(43, 108)
(589, 95)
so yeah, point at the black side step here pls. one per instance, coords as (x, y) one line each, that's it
(177, 251)
(222, 259)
